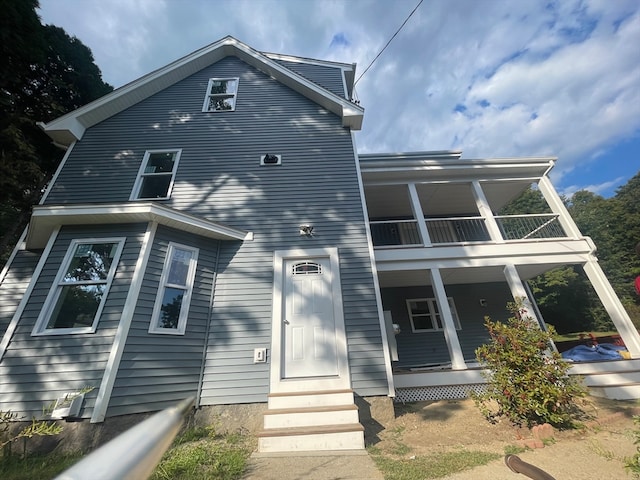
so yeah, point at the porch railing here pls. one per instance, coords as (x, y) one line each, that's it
(465, 229)
(522, 227)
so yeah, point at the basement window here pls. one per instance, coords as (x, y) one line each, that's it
(174, 295)
(425, 315)
(156, 175)
(221, 95)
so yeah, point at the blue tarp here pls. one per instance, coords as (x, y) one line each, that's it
(584, 353)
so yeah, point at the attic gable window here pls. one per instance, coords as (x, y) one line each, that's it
(75, 301)
(156, 175)
(221, 95)
(174, 295)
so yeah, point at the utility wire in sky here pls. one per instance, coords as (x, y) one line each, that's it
(390, 40)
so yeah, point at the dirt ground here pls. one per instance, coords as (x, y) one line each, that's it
(598, 450)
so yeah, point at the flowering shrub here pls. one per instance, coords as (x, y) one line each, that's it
(528, 381)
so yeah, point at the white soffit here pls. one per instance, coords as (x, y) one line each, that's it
(46, 218)
(447, 165)
(71, 127)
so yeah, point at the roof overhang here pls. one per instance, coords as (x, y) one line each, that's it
(447, 166)
(46, 218)
(71, 127)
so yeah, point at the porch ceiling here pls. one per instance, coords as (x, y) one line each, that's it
(439, 199)
(456, 276)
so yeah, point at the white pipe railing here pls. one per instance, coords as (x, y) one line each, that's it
(134, 454)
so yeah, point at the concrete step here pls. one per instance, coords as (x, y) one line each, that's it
(317, 438)
(310, 416)
(322, 398)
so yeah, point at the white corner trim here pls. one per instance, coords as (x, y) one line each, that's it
(57, 173)
(113, 363)
(374, 271)
(14, 252)
(27, 294)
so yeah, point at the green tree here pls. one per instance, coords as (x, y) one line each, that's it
(44, 73)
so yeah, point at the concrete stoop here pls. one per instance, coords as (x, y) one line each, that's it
(311, 421)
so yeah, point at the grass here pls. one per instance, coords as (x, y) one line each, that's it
(36, 466)
(197, 453)
(439, 465)
(200, 453)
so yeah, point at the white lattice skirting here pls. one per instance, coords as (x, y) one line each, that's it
(441, 392)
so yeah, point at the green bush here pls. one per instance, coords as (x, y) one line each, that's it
(527, 381)
(633, 463)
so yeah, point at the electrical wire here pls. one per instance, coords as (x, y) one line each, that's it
(390, 40)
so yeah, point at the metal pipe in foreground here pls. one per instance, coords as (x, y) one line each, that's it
(528, 470)
(135, 453)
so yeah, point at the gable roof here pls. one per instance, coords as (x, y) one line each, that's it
(71, 127)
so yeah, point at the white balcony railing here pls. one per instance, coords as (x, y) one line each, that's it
(465, 229)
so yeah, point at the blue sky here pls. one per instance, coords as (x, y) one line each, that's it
(493, 78)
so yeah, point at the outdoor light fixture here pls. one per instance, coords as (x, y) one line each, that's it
(306, 230)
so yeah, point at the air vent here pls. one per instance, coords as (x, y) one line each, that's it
(270, 159)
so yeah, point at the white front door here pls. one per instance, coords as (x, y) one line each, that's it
(308, 323)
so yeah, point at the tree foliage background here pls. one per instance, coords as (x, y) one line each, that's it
(44, 73)
(565, 297)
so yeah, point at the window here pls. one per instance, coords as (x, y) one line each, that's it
(221, 95)
(156, 175)
(76, 300)
(425, 315)
(174, 295)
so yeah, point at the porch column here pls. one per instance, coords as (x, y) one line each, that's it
(613, 306)
(519, 292)
(450, 334)
(418, 214)
(485, 211)
(557, 206)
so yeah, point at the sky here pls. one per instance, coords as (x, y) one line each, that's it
(491, 78)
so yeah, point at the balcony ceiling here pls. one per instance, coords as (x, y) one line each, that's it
(439, 199)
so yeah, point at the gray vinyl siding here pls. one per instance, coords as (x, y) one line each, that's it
(36, 370)
(329, 78)
(15, 284)
(425, 348)
(158, 370)
(219, 178)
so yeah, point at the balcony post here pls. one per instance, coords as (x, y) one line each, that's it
(450, 334)
(519, 292)
(418, 214)
(486, 213)
(613, 306)
(557, 206)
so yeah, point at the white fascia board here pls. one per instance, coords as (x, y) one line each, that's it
(71, 126)
(541, 252)
(46, 218)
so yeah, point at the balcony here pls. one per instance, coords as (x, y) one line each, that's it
(456, 230)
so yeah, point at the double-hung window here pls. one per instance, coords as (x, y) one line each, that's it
(221, 95)
(425, 315)
(174, 295)
(156, 174)
(79, 292)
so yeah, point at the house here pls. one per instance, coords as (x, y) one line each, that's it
(212, 232)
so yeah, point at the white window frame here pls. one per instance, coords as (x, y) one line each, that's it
(40, 328)
(210, 95)
(186, 298)
(137, 186)
(432, 303)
